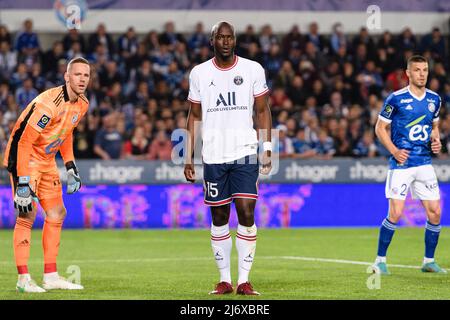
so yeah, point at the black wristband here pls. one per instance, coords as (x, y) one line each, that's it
(71, 165)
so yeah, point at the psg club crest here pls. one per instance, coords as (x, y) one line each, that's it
(431, 107)
(238, 80)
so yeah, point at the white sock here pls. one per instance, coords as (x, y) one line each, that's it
(427, 260)
(380, 259)
(221, 245)
(246, 246)
(51, 276)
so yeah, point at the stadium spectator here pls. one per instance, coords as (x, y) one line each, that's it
(83, 139)
(434, 42)
(315, 38)
(283, 144)
(127, 44)
(52, 56)
(101, 37)
(26, 93)
(73, 36)
(337, 39)
(108, 140)
(267, 39)
(138, 146)
(5, 35)
(161, 147)
(198, 39)
(170, 37)
(4, 93)
(27, 44)
(245, 40)
(8, 60)
(302, 148)
(366, 147)
(324, 146)
(406, 40)
(294, 40)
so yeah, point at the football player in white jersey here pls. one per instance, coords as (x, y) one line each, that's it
(223, 92)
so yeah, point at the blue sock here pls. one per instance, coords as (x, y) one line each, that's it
(432, 232)
(386, 232)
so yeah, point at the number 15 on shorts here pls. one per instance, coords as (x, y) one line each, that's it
(211, 189)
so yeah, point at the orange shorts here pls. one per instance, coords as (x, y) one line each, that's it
(46, 185)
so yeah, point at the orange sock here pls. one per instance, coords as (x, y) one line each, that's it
(22, 242)
(51, 236)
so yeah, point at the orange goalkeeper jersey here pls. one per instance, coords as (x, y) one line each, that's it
(44, 128)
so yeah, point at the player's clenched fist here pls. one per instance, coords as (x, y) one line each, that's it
(189, 172)
(73, 178)
(401, 155)
(23, 199)
(266, 163)
(436, 145)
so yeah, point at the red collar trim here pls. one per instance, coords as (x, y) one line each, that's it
(225, 69)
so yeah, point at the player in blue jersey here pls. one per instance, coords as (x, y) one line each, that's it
(413, 116)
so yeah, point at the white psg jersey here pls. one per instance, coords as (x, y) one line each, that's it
(227, 97)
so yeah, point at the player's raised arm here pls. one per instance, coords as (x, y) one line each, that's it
(195, 115)
(264, 123)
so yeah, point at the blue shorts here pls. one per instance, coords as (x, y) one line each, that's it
(227, 181)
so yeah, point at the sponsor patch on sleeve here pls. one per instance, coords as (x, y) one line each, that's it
(42, 123)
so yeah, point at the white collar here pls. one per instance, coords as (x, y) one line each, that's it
(417, 98)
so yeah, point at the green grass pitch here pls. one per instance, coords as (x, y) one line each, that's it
(178, 264)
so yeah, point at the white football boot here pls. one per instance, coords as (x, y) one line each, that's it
(26, 284)
(55, 281)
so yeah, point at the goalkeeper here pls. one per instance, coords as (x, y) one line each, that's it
(44, 128)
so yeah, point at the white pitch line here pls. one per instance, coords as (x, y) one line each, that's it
(346, 262)
(340, 261)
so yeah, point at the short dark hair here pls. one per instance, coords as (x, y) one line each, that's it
(77, 60)
(416, 58)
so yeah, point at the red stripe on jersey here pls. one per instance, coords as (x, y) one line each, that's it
(193, 101)
(261, 94)
(225, 69)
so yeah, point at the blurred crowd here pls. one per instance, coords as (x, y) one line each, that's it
(327, 87)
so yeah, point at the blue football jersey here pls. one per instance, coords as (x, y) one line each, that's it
(411, 120)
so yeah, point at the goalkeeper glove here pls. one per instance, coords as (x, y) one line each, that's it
(73, 178)
(23, 199)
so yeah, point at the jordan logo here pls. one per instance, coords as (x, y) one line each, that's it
(218, 257)
(212, 83)
(249, 258)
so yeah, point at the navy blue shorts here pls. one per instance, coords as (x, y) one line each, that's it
(227, 181)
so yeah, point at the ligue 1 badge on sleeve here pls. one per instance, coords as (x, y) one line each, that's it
(71, 12)
(238, 80)
(431, 107)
